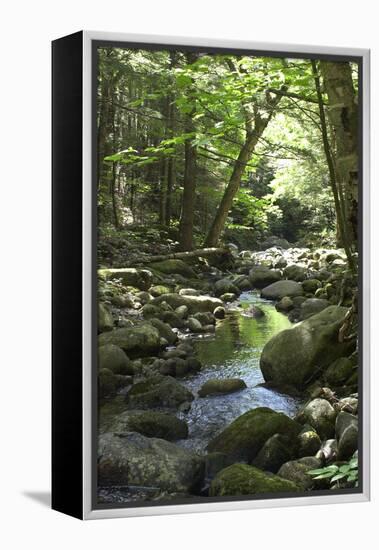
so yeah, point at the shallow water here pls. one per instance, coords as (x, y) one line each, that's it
(233, 352)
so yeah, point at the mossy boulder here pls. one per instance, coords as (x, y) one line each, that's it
(262, 276)
(158, 290)
(297, 471)
(245, 436)
(107, 383)
(277, 450)
(311, 306)
(158, 391)
(280, 289)
(174, 266)
(139, 340)
(241, 479)
(309, 442)
(225, 286)
(339, 372)
(133, 459)
(294, 357)
(295, 272)
(115, 359)
(129, 276)
(151, 424)
(165, 331)
(311, 285)
(285, 304)
(194, 304)
(216, 386)
(104, 318)
(347, 435)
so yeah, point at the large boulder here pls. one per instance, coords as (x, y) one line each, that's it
(339, 372)
(174, 267)
(262, 276)
(319, 414)
(347, 435)
(245, 436)
(193, 303)
(295, 272)
(151, 424)
(129, 276)
(294, 357)
(217, 386)
(158, 391)
(139, 340)
(311, 306)
(133, 459)
(277, 450)
(104, 318)
(241, 479)
(277, 291)
(115, 359)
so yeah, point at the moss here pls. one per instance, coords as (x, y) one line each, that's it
(241, 479)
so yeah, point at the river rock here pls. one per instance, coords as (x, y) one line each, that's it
(115, 359)
(297, 471)
(319, 414)
(149, 311)
(224, 286)
(133, 459)
(165, 331)
(182, 312)
(262, 276)
(174, 266)
(129, 276)
(309, 442)
(275, 241)
(339, 372)
(277, 450)
(311, 306)
(193, 303)
(151, 424)
(104, 318)
(295, 356)
(194, 325)
(285, 304)
(189, 292)
(216, 386)
(328, 451)
(295, 272)
(311, 285)
(158, 391)
(241, 479)
(347, 435)
(139, 340)
(158, 290)
(280, 289)
(107, 383)
(205, 318)
(219, 312)
(173, 319)
(245, 436)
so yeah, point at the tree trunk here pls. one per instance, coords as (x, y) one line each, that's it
(343, 117)
(189, 183)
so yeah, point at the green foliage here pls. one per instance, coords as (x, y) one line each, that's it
(340, 473)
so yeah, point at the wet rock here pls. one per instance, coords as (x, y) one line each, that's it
(194, 325)
(297, 471)
(328, 451)
(182, 312)
(107, 383)
(285, 304)
(205, 318)
(139, 340)
(347, 435)
(133, 459)
(277, 291)
(255, 312)
(158, 290)
(115, 359)
(228, 297)
(224, 286)
(348, 404)
(104, 318)
(189, 292)
(158, 391)
(295, 356)
(165, 331)
(241, 479)
(319, 414)
(262, 276)
(216, 386)
(311, 285)
(130, 276)
(173, 319)
(311, 306)
(245, 436)
(149, 311)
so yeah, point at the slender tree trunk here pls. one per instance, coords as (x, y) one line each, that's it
(189, 182)
(343, 116)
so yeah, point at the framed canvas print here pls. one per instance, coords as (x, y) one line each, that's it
(210, 275)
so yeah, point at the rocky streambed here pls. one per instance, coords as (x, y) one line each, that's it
(224, 380)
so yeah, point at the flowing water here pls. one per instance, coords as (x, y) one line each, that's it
(234, 352)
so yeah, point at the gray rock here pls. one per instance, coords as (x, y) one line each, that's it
(219, 312)
(339, 372)
(150, 424)
(130, 276)
(194, 303)
(311, 285)
(115, 359)
(311, 306)
(194, 325)
(280, 289)
(141, 339)
(295, 272)
(165, 331)
(297, 471)
(262, 276)
(133, 459)
(276, 450)
(158, 391)
(104, 318)
(319, 414)
(216, 386)
(309, 442)
(347, 435)
(224, 286)
(285, 304)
